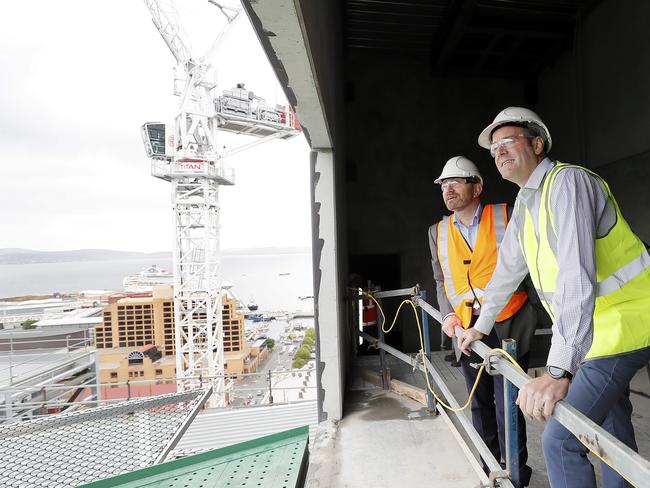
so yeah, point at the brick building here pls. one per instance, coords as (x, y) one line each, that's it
(136, 341)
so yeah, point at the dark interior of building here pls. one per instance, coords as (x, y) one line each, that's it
(388, 90)
(422, 79)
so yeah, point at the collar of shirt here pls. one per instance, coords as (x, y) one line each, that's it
(536, 178)
(477, 216)
(469, 231)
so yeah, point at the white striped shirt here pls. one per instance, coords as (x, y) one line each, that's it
(582, 212)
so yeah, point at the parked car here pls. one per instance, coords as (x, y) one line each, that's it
(259, 393)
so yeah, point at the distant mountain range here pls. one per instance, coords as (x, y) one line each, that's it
(29, 256)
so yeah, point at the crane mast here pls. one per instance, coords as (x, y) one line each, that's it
(195, 172)
(187, 156)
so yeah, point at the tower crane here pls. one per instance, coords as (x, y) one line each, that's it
(187, 155)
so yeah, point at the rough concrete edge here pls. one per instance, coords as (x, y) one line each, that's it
(324, 444)
(276, 63)
(317, 249)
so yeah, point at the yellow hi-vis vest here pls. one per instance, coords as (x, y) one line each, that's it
(622, 309)
(467, 272)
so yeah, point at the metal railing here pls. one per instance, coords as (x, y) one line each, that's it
(19, 358)
(623, 459)
(243, 390)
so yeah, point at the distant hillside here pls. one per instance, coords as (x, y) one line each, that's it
(14, 250)
(265, 250)
(29, 256)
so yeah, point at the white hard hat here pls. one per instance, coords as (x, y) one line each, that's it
(459, 167)
(516, 116)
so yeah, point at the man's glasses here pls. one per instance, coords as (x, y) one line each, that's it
(506, 142)
(452, 184)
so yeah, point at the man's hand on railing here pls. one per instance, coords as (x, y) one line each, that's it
(449, 323)
(538, 397)
(466, 338)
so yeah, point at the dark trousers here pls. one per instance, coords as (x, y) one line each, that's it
(601, 391)
(487, 408)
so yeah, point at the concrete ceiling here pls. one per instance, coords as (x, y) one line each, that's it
(501, 38)
(280, 29)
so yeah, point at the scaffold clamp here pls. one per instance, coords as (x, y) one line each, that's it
(494, 477)
(487, 363)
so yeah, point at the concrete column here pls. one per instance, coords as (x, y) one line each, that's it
(329, 361)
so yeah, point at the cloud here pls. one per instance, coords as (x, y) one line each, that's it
(77, 85)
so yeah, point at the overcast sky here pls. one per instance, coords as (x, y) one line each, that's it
(78, 80)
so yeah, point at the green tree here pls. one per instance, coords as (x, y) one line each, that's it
(29, 324)
(270, 343)
(311, 333)
(309, 341)
(301, 354)
(298, 363)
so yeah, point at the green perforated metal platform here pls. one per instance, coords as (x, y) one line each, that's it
(274, 461)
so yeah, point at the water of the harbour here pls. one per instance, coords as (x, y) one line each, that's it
(274, 281)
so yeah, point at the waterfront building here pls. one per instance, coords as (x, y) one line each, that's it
(136, 341)
(13, 312)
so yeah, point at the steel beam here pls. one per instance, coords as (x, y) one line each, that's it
(428, 308)
(397, 293)
(511, 420)
(627, 462)
(427, 349)
(632, 466)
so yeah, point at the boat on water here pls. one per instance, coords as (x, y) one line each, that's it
(262, 318)
(306, 308)
(147, 278)
(252, 306)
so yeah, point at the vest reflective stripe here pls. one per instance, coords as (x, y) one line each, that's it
(528, 239)
(623, 275)
(622, 305)
(443, 243)
(466, 272)
(616, 280)
(548, 295)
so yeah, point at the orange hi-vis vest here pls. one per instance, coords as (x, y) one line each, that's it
(466, 271)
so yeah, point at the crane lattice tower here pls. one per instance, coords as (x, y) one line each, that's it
(187, 156)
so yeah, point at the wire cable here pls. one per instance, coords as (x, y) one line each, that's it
(424, 364)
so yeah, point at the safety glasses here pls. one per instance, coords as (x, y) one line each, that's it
(452, 184)
(506, 142)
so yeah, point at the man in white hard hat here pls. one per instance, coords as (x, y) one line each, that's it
(463, 255)
(567, 219)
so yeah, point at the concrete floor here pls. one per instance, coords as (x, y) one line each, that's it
(454, 379)
(375, 445)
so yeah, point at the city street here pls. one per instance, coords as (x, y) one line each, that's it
(245, 390)
(250, 384)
